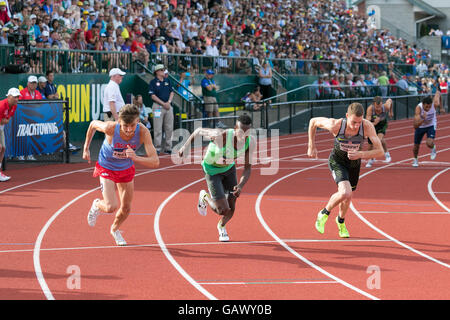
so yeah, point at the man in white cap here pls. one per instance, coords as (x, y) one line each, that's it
(112, 97)
(30, 92)
(8, 107)
(42, 82)
(44, 36)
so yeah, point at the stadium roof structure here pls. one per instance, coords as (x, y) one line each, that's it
(427, 8)
(420, 4)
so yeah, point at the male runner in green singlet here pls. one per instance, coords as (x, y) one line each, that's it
(378, 114)
(220, 170)
(345, 158)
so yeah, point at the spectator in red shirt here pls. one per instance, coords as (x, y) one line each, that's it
(410, 59)
(8, 107)
(92, 35)
(4, 18)
(30, 92)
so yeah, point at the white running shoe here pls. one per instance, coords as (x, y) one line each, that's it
(388, 158)
(3, 177)
(202, 208)
(433, 153)
(31, 157)
(370, 163)
(120, 241)
(415, 162)
(223, 235)
(93, 213)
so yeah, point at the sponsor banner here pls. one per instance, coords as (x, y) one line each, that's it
(35, 128)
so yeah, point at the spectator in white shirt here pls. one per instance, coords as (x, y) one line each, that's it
(212, 50)
(112, 97)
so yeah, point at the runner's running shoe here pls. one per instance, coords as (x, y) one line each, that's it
(320, 222)
(433, 153)
(343, 232)
(93, 213)
(202, 208)
(223, 235)
(120, 241)
(3, 177)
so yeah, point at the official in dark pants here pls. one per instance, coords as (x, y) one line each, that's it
(161, 92)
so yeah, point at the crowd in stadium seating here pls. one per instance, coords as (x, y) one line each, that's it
(291, 30)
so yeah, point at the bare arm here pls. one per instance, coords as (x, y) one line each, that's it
(369, 113)
(437, 99)
(112, 107)
(212, 134)
(330, 124)
(377, 150)
(418, 119)
(151, 160)
(247, 169)
(390, 106)
(96, 125)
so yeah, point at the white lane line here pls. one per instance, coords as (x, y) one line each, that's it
(37, 246)
(263, 223)
(166, 251)
(232, 243)
(36, 258)
(268, 282)
(404, 212)
(292, 251)
(358, 214)
(44, 179)
(432, 193)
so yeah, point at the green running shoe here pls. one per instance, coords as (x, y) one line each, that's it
(320, 222)
(343, 232)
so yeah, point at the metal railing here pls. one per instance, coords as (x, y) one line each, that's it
(321, 92)
(178, 63)
(226, 64)
(79, 61)
(70, 61)
(294, 116)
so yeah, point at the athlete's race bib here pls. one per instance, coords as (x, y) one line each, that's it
(347, 146)
(119, 154)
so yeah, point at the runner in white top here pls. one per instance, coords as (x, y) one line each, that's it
(425, 122)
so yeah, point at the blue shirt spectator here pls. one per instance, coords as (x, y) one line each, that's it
(50, 88)
(42, 82)
(161, 89)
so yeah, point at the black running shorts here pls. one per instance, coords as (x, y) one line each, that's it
(342, 170)
(221, 185)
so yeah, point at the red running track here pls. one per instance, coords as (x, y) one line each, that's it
(398, 225)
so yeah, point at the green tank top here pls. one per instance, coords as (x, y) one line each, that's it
(217, 159)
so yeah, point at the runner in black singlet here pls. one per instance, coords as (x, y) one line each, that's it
(378, 114)
(345, 158)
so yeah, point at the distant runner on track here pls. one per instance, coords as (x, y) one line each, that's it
(425, 121)
(378, 113)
